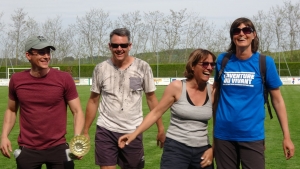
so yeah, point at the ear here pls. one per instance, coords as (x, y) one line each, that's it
(130, 45)
(254, 34)
(28, 56)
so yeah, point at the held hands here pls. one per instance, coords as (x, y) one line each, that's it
(5, 147)
(288, 148)
(125, 140)
(207, 158)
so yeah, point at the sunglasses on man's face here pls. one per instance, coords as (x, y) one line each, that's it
(42, 52)
(115, 45)
(246, 30)
(205, 64)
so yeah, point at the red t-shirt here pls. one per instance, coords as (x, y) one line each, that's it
(43, 107)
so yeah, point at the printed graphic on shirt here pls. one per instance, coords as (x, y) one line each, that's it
(238, 78)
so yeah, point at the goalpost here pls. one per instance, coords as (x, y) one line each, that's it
(10, 71)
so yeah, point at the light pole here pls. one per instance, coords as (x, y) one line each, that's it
(79, 68)
(157, 59)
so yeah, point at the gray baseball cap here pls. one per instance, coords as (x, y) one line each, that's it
(37, 42)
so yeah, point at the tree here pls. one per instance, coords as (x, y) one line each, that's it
(18, 31)
(173, 29)
(154, 21)
(32, 27)
(93, 29)
(133, 22)
(292, 18)
(263, 27)
(52, 31)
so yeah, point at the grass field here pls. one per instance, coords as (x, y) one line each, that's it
(274, 154)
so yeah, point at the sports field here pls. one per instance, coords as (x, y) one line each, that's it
(274, 153)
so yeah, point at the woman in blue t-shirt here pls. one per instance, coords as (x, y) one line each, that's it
(239, 119)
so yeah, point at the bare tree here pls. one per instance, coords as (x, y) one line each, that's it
(52, 30)
(93, 29)
(292, 18)
(173, 28)
(153, 21)
(263, 27)
(220, 39)
(66, 43)
(133, 22)
(2, 27)
(17, 31)
(276, 18)
(32, 27)
(199, 33)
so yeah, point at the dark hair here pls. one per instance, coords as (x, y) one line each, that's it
(195, 57)
(120, 32)
(247, 22)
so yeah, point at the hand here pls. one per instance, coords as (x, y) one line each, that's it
(160, 139)
(87, 135)
(288, 148)
(207, 158)
(5, 147)
(125, 140)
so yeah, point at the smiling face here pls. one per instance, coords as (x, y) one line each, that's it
(204, 68)
(118, 47)
(39, 59)
(244, 38)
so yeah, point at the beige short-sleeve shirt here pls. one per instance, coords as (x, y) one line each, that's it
(120, 108)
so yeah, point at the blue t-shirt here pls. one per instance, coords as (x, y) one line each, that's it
(241, 113)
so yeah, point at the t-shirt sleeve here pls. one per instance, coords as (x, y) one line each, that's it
(96, 87)
(11, 89)
(272, 78)
(218, 66)
(149, 85)
(70, 88)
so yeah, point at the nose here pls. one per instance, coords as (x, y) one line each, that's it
(119, 47)
(47, 56)
(209, 67)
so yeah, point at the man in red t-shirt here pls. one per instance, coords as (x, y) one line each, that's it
(42, 95)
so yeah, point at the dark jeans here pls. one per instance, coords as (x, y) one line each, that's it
(177, 155)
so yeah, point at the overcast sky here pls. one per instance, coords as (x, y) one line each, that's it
(217, 11)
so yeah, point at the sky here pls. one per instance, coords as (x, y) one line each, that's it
(217, 11)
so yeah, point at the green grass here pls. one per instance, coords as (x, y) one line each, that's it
(274, 153)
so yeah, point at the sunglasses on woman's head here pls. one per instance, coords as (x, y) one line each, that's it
(115, 45)
(246, 30)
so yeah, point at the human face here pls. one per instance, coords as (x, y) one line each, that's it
(119, 47)
(39, 58)
(204, 68)
(243, 37)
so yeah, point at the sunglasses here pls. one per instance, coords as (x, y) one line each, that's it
(205, 64)
(115, 45)
(41, 52)
(246, 30)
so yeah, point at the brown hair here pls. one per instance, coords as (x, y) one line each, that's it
(247, 22)
(195, 57)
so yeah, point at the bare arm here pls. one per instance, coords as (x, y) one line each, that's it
(90, 113)
(78, 115)
(8, 124)
(279, 106)
(166, 102)
(152, 103)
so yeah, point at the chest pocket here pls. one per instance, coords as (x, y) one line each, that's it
(135, 83)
